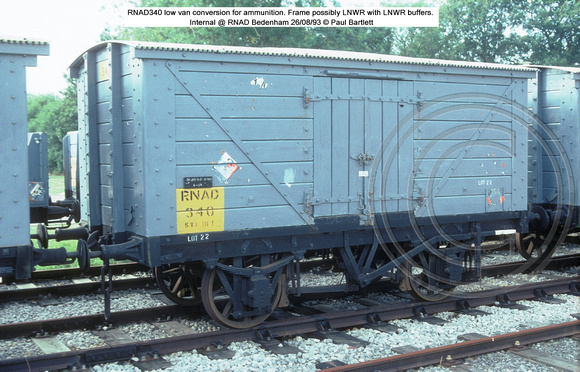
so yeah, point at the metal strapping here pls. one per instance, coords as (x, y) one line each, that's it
(238, 142)
(472, 140)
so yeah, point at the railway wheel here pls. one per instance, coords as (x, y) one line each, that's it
(420, 280)
(534, 246)
(180, 282)
(225, 296)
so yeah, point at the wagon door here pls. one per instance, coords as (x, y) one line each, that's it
(356, 155)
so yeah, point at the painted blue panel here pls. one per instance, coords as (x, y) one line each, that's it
(14, 174)
(260, 217)
(557, 103)
(179, 119)
(245, 84)
(482, 167)
(159, 148)
(451, 111)
(248, 174)
(456, 205)
(463, 186)
(266, 151)
(463, 130)
(261, 195)
(243, 107)
(245, 129)
(404, 145)
(454, 92)
(450, 149)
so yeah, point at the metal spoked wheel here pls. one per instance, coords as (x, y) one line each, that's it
(217, 292)
(423, 284)
(180, 282)
(534, 246)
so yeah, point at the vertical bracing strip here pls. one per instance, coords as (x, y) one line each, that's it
(116, 141)
(91, 134)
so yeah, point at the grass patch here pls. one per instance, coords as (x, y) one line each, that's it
(69, 245)
(56, 184)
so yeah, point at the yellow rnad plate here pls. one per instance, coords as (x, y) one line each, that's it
(200, 210)
(103, 71)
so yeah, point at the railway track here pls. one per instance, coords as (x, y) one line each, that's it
(452, 355)
(135, 276)
(271, 334)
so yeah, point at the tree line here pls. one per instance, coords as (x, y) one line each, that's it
(540, 32)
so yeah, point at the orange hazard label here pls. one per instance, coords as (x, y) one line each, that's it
(200, 210)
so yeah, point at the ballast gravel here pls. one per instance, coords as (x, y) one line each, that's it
(250, 357)
(27, 311)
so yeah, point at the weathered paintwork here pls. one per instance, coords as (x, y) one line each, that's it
(554, 96)
(15, 56)
(15, 249)
(193, 139)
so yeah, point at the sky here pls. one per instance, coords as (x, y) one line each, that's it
(71, 27)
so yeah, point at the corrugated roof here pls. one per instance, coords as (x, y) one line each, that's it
(573, 70)
(308, 53)
(321, 54)
(22, 41)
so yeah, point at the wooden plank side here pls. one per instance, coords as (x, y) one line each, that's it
(260, 195)
(255, 129)
(450, 149)
(456, 205)
(491, 166)
(248, 174)
(245, 84)
(261, 217)
(243, 107)
(464, 186)
(463, 111)
(456, 92)
(267, 151)
(405, 155)
(462, 130)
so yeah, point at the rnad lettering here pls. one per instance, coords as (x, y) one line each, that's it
(200, 194)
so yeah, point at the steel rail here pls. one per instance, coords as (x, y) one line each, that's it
(42, 327)
(75, 272)
(454, 352)
(19, 294)
(280, 328)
